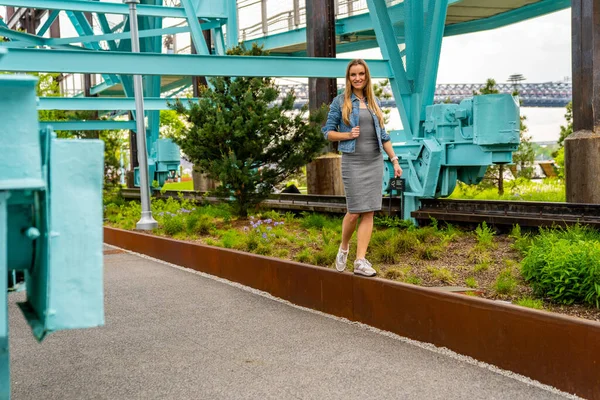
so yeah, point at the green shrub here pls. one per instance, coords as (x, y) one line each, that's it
(397, 273)
(412, 279)
(200, 224)
(231, 239)
(441, 274)
(281, 253)
(471, 282)
(564, 265)
(485, 236)
(304, 256)
(428, 251)
(481, 266)
(506, 283)
(404, 242)
(313, 220)
(326, 256)
(392, 222)
(173, 224)
(531, 303)
(384, 254)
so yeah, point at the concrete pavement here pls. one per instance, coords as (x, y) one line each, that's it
(174, 334)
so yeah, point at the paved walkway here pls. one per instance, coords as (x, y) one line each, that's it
(173, 334)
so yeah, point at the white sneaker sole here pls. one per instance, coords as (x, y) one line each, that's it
(359, 272)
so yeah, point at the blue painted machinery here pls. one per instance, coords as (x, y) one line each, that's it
(456, 141)
(50, 221)
(163, 162)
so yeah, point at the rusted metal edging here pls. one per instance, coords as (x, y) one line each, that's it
(554, 349)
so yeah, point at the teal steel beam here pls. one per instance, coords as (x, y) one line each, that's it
(195, 28)
(386, 38)
(414, 43)
(28, 38)
(51, 18)
(206, 9)
(3, 24)
(507, 18)
(88, 125)
(184, 82)
(83, 28)
(219, 40)
(431, 54)
(103, 103)
(95, 62)
(232, 24)
(22, 39)
(414, 40)
(99, 88)
(112, 45)
(111, 37)
(120, 24)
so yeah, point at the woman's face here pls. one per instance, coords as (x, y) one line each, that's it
(358, 76)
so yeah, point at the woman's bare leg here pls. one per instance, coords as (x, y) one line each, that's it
(365, 228)
(348, 228)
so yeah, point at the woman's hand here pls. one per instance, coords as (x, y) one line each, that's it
(355, 132)
(397, 170)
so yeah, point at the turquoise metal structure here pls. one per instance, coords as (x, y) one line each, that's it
(409, 34)
(50, 221)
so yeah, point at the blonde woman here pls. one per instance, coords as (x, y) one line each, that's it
(356, 121)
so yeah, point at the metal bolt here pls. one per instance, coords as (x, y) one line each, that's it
(32, 233)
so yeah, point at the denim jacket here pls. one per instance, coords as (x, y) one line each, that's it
(335, 123)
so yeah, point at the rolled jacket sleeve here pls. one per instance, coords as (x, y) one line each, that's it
(333, 118)
(385, 137)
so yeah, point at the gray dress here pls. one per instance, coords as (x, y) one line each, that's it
(362, 171)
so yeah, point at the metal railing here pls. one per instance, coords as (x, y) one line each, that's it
(295, 16)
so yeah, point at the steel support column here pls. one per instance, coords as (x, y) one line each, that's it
(4, 354)
(386, 38)
(582, 147)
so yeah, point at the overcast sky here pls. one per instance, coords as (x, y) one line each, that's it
(539, 48)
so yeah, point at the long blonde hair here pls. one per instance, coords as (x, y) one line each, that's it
(367, 91)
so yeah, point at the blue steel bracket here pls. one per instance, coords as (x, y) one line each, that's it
(460, 141)
(50, 236)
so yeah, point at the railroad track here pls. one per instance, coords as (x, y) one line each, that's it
(494, 212)
(524, 213)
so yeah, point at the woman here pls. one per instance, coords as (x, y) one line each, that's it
(356, 121)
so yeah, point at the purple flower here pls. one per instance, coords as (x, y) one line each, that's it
(264, 235)
(252, 217)
(268, 221)
(281, 223)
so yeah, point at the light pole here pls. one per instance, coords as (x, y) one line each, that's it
(146, 222)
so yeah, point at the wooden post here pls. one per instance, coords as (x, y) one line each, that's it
(582, 147)
(320, 42)
(324, 176)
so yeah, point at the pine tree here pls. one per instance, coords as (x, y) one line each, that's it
(241, 135)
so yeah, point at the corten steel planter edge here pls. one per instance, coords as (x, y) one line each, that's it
(554, 349)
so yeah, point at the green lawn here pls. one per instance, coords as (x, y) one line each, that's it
(187, 185)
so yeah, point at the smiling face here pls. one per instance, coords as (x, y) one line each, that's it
(357, 76)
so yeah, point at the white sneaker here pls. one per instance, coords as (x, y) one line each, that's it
(364, 267)
(341, 259)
